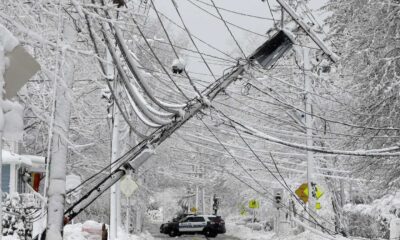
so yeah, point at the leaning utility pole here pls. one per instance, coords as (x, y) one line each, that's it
(266, 55)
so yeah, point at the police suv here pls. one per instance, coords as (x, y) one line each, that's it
(209, 225)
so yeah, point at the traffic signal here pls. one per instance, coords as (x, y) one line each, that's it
(278, 200)
(278, 197)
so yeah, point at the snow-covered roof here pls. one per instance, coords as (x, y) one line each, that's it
(13, 158)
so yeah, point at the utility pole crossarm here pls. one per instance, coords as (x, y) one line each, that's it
(313, 35)
(266, 56)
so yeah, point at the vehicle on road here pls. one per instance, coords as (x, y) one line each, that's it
(209, 225)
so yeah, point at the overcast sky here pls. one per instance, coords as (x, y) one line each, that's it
(213, 30)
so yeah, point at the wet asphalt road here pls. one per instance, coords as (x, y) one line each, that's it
(154, 229)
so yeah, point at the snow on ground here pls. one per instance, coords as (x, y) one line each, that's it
(91, 230)
(243, 232)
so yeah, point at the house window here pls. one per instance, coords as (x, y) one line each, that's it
(5, 178)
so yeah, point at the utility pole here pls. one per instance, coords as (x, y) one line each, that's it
(196, 205)
(114, 156)
(309, 126)
(203, 205)
(197, 198)
(203, 191)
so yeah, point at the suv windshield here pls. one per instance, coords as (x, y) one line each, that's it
(198, 219)
(215, 219)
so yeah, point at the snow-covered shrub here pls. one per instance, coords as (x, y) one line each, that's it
(372, 220)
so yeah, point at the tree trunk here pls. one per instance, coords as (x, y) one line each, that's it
(59, 147)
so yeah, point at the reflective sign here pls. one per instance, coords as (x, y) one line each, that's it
(254, 204)
(302, 192)
(128, 186)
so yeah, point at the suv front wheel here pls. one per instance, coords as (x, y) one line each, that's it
(173, 233)
(209, 233)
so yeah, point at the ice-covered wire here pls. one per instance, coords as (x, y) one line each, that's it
(324, 118)
(174, 50)
(384, 152)
(236, 12)
(192, 40)
(270, 11)
(133, 91)
(229, 30)
(170, 107)
(230, 23)
(143, 118)
(103, 68)
(197, 38)
(135, 71)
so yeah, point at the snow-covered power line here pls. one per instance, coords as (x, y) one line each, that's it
(390, 151)
(229, 30)
(237, 12)
(198, 38)
(193, 42)
(103, 68)
(229, 23)
(174, 50)
(133, 91)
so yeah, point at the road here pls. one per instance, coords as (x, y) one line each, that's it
(154, 229)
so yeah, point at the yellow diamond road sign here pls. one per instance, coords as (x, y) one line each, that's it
(302, 192)
(254, 204)
(318, 193)
(128, 186)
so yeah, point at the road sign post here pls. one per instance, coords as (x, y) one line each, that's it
(128, 187)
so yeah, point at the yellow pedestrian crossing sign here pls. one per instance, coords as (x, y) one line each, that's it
(254, 204)
(318, 192)
(193, 210)
(302, 192)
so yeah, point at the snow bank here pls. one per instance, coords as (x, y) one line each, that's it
(309, 236)
(141, 236)
(243, 232)
(74, 232)
(90, 231)
(10, 238)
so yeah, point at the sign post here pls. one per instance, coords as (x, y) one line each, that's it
(128, 187)
(254, 204)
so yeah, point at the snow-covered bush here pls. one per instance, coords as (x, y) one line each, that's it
(372, 220)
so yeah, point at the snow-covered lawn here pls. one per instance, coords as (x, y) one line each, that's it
(243, 232)
(74, 232)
